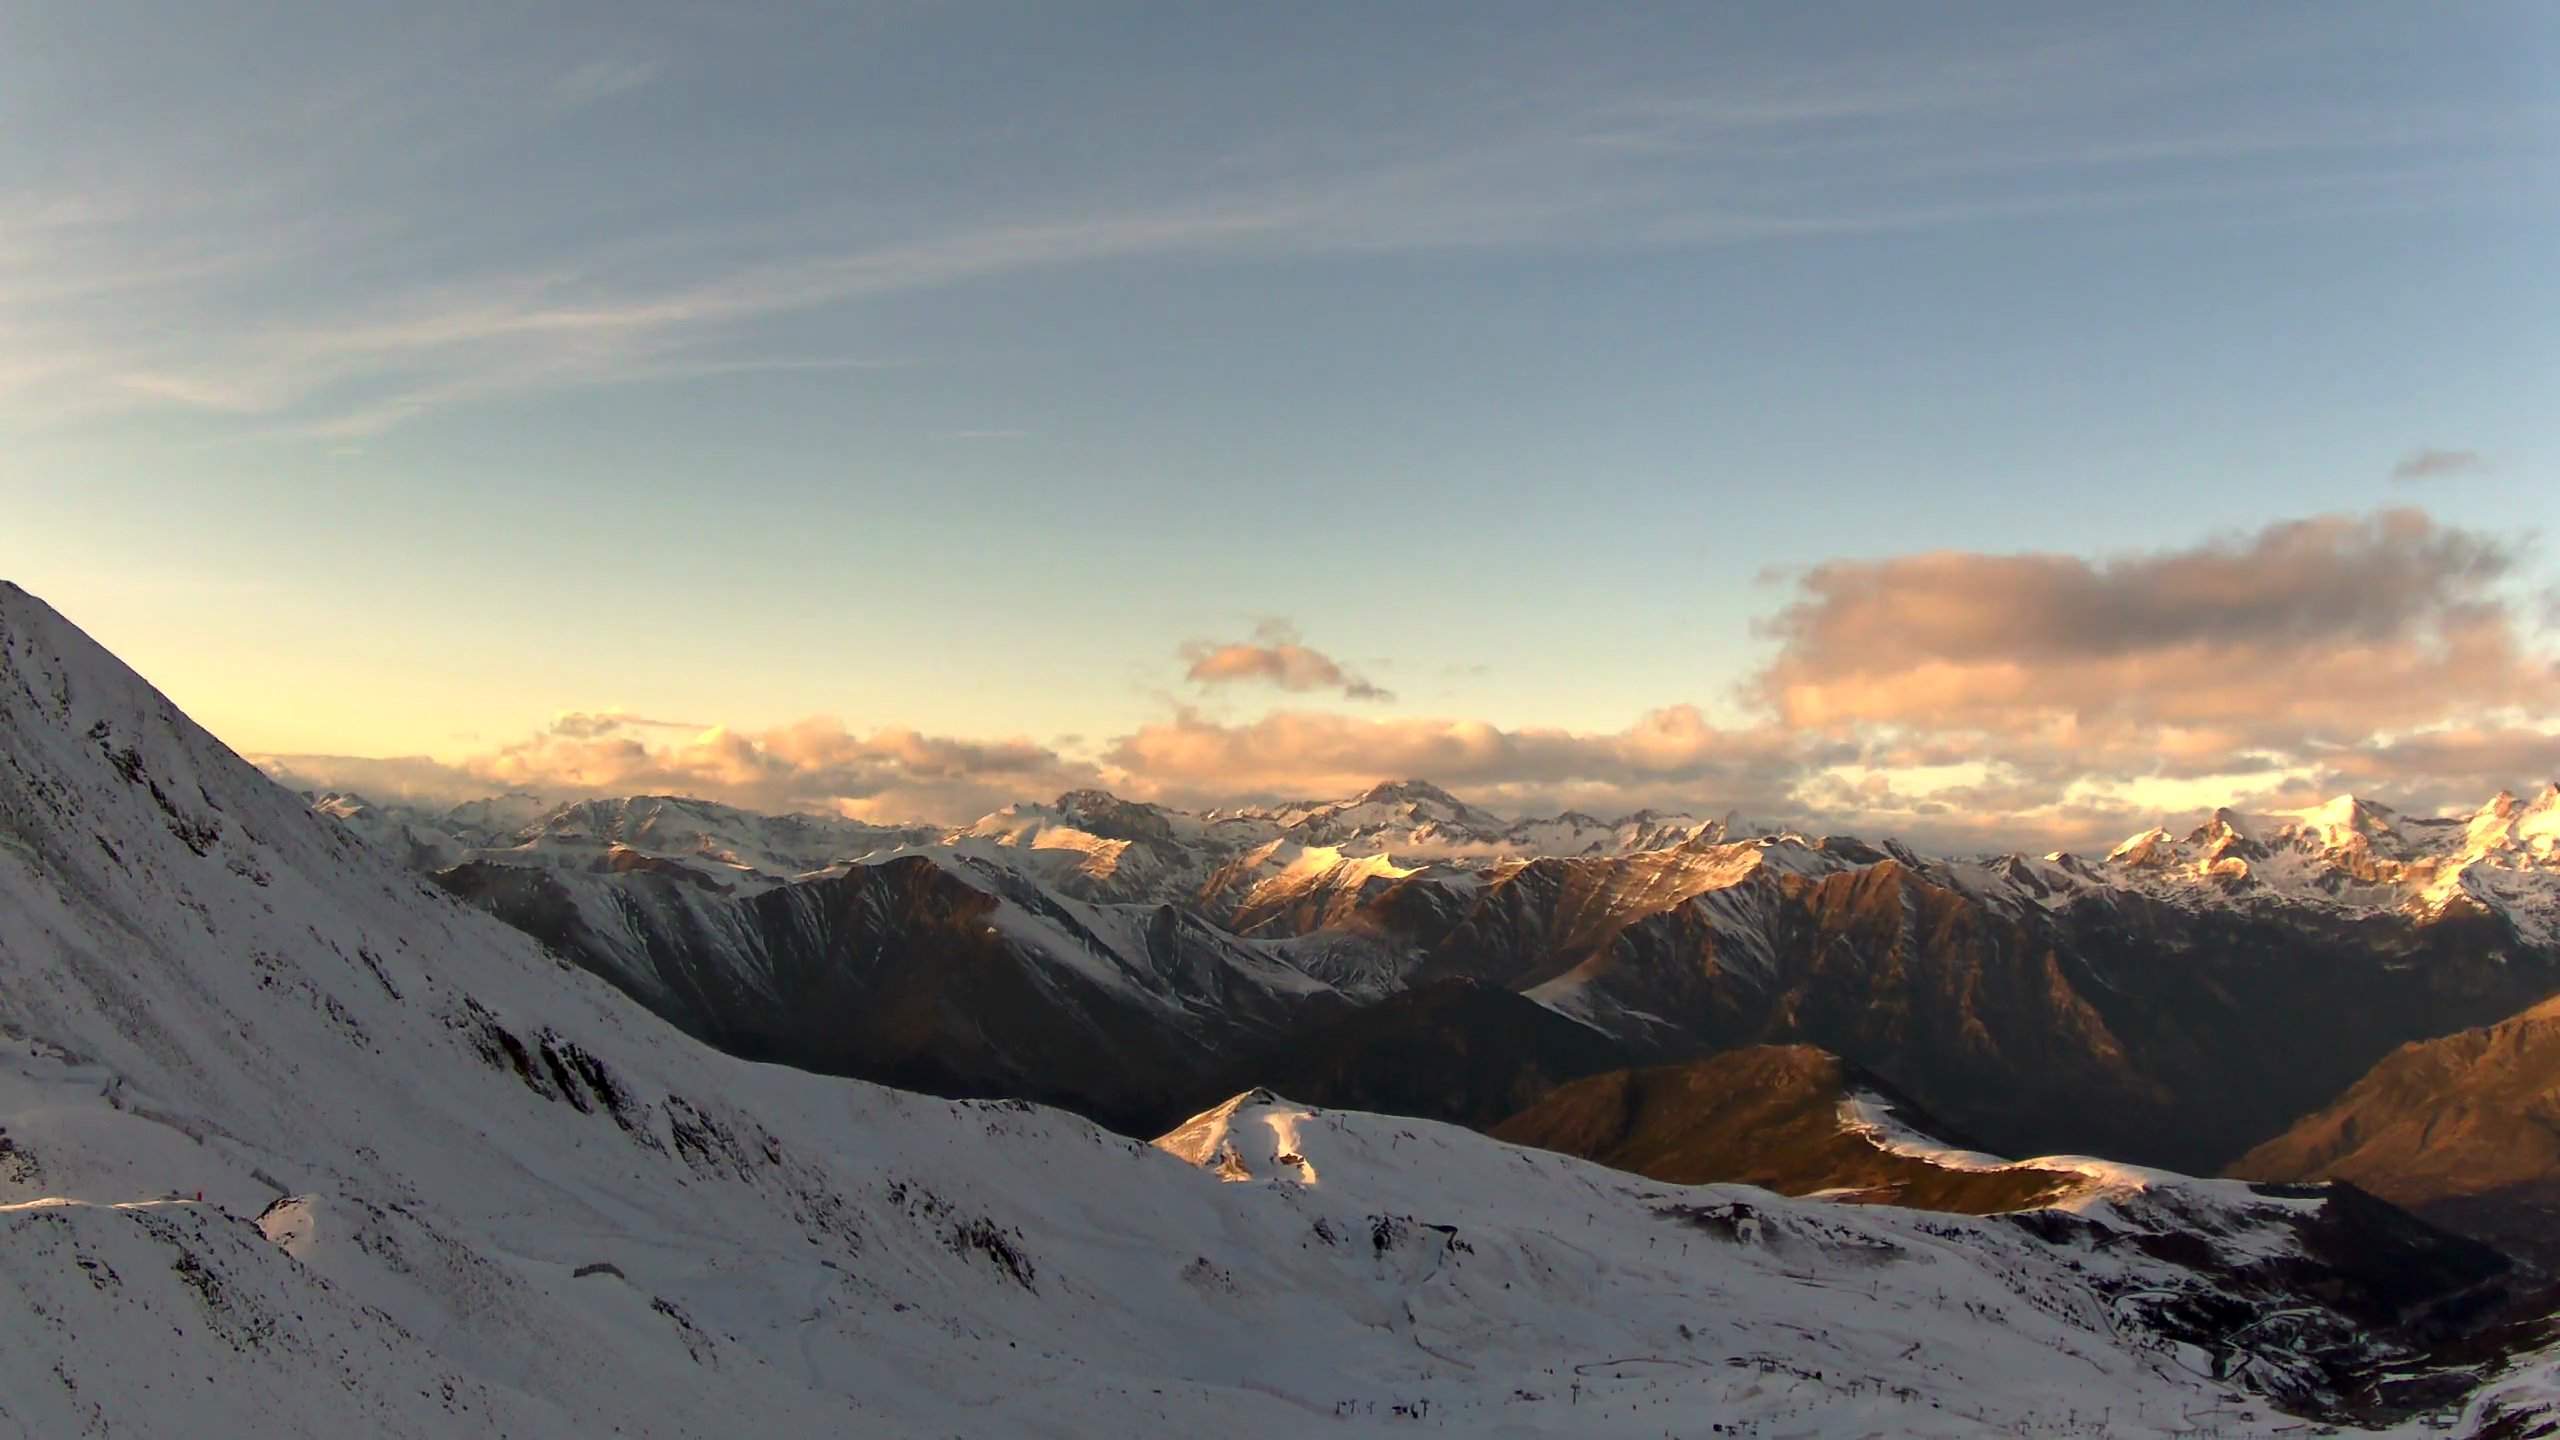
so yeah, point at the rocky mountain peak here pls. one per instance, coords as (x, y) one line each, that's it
(1422, 795)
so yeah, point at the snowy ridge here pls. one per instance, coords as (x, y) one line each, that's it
(1251, 1137)
(720, 844)
(2355, 856)
(1089, 842)
(2134, 1196)
(2123, 1285)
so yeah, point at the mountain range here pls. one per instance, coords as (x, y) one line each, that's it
(2175, 1002)
(296, 1137)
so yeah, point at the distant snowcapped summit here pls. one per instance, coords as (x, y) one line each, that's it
(2349, 854)
(2354, 854)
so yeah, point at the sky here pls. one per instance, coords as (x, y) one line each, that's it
(2011, 423)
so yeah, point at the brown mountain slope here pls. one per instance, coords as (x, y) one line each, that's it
(1766, 1115)
(2465, 1130)
(2123, 1025)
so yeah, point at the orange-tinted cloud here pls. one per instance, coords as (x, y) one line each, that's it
(2309, 633)
(1965, 699)
(815, 765)
(1275, 656)
(1670, 755)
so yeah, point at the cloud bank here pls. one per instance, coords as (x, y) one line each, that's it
(890, 774)
(2307, 634)
(1961, 698)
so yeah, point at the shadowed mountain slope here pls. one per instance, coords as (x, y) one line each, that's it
(2464, 1130)
(1783, 1117)
(1453, 1050)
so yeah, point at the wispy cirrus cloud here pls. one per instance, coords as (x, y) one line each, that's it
(2435, 464)
(592, 724)
(591, 81)
(363, 373)
(361, 277)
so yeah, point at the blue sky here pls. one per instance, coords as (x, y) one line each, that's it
(386, 384)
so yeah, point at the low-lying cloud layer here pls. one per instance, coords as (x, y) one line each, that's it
(1961, 698)
(814, 765)
(1670, 752)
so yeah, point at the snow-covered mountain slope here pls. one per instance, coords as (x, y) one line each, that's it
(2521, 1402)
(931, 969)
(2347, 858)
(1087, 844)
(1802, 1122)
(722, 845)
(2279, 1288)
(296, 1145)
(1415, 820)
(422, 845)
(2350, 857)
(989, 962)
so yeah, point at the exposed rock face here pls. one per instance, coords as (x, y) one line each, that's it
(2464, 1129)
